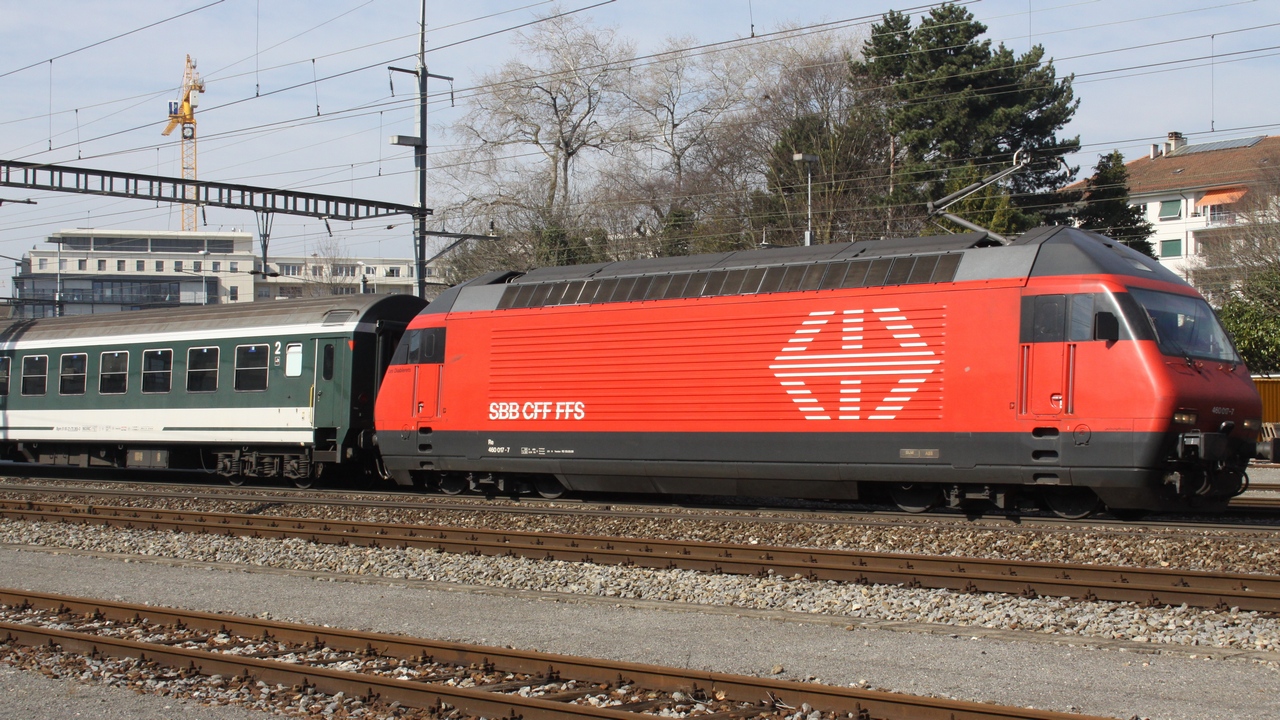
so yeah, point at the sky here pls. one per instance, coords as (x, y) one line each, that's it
(298, 94)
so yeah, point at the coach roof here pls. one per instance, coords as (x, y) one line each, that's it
(337, 311)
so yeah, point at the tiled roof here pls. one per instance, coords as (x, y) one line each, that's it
(1202, 169)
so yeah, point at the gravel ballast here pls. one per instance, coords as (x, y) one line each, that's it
(1061, 616)
(1008, 667)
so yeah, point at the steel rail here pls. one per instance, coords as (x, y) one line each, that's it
(417, 502)
(766, 694)
(1150, 586)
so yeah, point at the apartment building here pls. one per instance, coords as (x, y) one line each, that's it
(96, 271)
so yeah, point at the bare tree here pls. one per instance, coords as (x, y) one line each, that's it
(559, 100)
(330, 270)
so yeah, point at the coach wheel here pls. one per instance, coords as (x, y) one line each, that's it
(548, 487)
(1071, 503)
(453, 484)
(235, 480)
(305, 482)
(915, 497)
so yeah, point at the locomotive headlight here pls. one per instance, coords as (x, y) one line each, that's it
(1184, 417)
(1251, 424)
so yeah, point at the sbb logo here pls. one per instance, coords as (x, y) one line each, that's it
(504, 411)
(538, 410)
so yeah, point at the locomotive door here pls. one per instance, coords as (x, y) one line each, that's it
(1043, 363)
(426, 352)
(329, 396)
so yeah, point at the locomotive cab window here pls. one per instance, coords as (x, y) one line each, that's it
(202, 370)
(252, 362)
(293, 360)
(71, 373)
(35, 374)
(113, 373)
(157, 371)
(419, 347)
(5, 364)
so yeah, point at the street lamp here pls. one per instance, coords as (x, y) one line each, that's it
(808, 161)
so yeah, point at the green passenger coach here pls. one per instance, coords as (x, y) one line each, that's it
(254, 390)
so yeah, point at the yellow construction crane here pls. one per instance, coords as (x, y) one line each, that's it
(183, 112)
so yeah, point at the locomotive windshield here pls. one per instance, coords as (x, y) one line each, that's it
(1185, 326)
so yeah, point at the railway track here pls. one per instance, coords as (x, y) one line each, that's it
(264, 657)
(1151, 586)
(399, 501)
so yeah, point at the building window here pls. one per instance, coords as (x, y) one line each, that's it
(233, 267)
(159, 266)
(113, 373)
(82, 265)
(233, 294)
(264, 293)
(35, 369)
(102, 265)
(1171, 248)
(119, 266)
(393, 272)
(342, 270)
(292, 361)
(370, 270)
(291, 270)
(202, 370)
(177, 266)
(251, 367)
(1170, 209)
(344, 290)
(289, 291)
(62, 263)
(43, 263)
(4, 375)
(142, 266)
(317, 271)
(71, 374)
(157, 371)
(197, 266)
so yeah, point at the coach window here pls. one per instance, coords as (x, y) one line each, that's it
(293, 360)
(4, 375)
(251, 367)
(71, 374)
(113, 373)
(326, 362)
(202, 370)
(157, 371)
(35, 374)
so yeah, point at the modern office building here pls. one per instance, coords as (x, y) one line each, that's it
(97, 271)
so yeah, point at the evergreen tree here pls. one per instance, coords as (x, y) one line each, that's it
(1106, 206)
(956, 102)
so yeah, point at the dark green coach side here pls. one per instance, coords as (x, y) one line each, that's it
(251, 390)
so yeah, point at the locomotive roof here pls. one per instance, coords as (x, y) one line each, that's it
(340, 311)
(1046, 251)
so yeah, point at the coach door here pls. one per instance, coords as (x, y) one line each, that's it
(1043, 346)
(330, 395)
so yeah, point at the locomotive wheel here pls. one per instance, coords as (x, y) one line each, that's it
(915, 497)
(548, 486)
(305, 482)
(235, 480)
(453, 484)
(1071, 503)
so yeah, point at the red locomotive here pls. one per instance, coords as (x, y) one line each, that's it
(1063, 366)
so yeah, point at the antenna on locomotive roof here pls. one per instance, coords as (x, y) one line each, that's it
(1021, 159)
